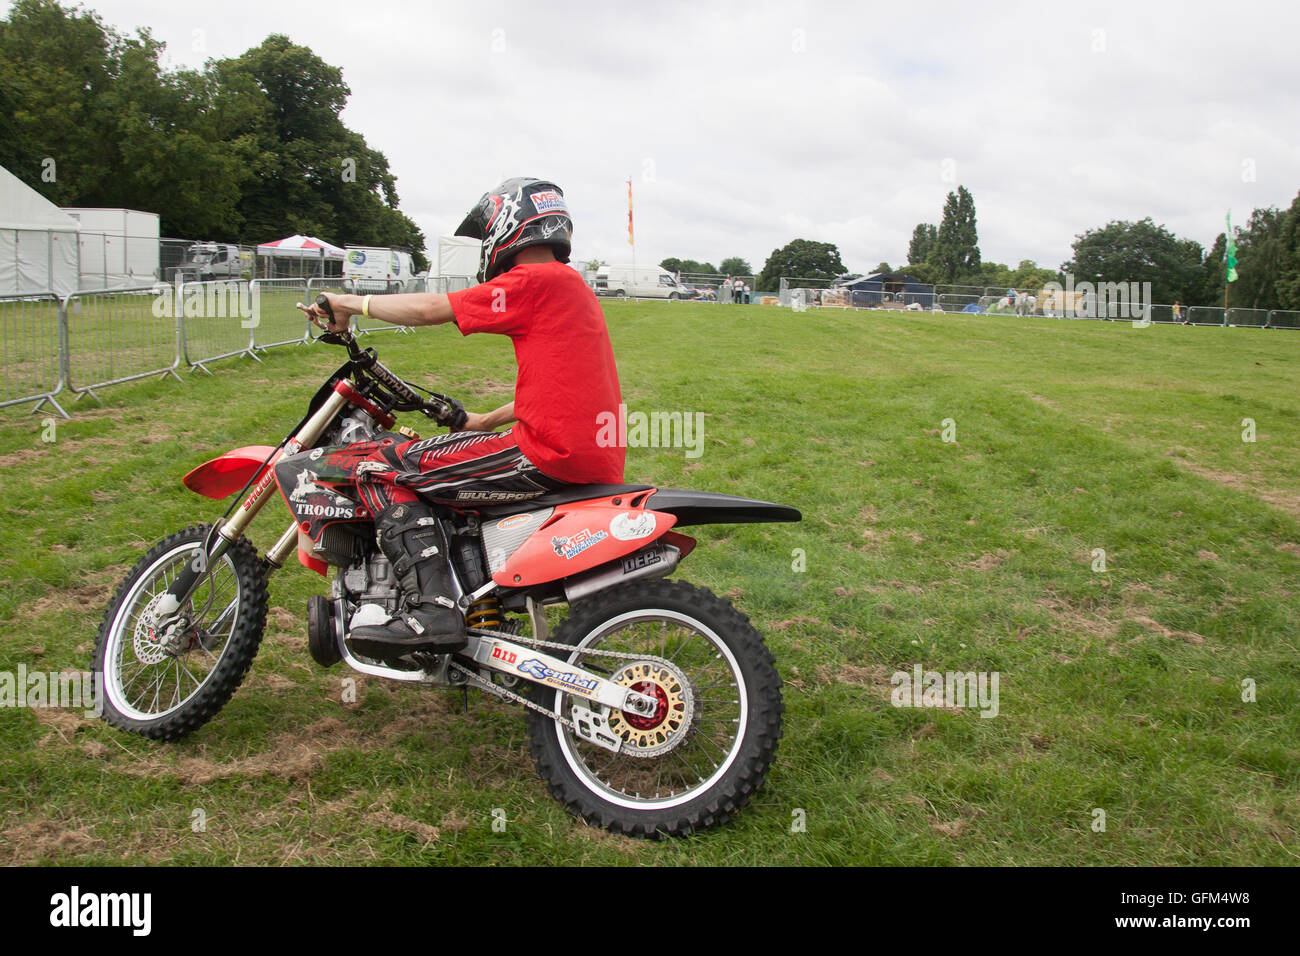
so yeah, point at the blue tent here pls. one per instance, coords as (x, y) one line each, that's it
(890, 287)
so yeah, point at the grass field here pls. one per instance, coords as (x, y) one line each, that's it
(1162, 691)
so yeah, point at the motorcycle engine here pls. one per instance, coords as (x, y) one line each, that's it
(369, 580)
(356, 426)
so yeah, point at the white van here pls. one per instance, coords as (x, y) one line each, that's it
(372, 268)
(641, 282)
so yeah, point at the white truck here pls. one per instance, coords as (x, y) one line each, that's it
(118, 247)
(640, 282)
(207, 261)
(374, 268)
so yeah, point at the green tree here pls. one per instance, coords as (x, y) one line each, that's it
(248, 149)
(880, 268)
(800, 258)
(1028, 277)
(735, 266)
(1139, 252)
(689, 267)
(1213, 275)
(1266, 253)
(956, 252)
(314, 175)
(1288, 279)
(55, 65)
(924, 237)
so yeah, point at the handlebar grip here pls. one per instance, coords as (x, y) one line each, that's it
(323, 302)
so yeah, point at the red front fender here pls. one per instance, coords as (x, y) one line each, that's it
(222, 477)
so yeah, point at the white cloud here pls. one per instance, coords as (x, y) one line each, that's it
(770, 121)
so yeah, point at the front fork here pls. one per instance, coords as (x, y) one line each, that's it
(232, 529)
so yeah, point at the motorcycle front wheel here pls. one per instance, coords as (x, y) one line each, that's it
(165, 686)
(706, 750)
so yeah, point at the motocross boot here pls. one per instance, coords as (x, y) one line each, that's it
(412, 538)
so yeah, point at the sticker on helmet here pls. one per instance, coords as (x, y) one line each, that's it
(548, 200)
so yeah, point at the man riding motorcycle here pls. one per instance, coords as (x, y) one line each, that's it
(566, 379)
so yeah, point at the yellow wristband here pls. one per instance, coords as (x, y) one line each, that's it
(365, 307)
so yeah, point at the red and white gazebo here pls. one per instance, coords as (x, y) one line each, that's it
(301, 247)
(300, 255)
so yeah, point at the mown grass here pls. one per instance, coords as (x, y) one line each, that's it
(1120, 690)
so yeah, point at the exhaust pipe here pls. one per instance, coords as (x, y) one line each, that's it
(652, 561)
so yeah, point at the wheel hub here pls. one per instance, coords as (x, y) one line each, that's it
(149, 641)
(649, 735)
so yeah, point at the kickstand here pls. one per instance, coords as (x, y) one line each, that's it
(464, 699)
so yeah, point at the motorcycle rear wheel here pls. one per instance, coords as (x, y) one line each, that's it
(677, 775)
(165, 695)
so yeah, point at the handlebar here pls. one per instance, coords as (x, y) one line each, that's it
(443, 410)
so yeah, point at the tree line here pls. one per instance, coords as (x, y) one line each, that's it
(247, 149)
(1179, 270)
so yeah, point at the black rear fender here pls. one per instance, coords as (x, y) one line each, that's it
(710, 507)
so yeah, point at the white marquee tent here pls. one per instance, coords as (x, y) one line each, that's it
(458, 256)
(38, 242)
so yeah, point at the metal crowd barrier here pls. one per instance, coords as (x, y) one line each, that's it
(216, 321)
(314, 288)
(275, 316)
(32, 366)
(91, 340)
(1205, 315)
(119, 336)
(1250, 318)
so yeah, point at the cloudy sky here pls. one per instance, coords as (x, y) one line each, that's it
(746, 125)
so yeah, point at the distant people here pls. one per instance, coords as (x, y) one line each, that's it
(1178, 314)
(746, 289)
(726, 291)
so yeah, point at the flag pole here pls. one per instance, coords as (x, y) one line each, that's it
(631, 234)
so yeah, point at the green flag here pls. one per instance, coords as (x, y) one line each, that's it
(1232, 252)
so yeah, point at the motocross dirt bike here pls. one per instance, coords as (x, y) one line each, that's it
(654, 709)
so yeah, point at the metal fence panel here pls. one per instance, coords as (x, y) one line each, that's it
(120, 336)
(275, 316)
(1206, 315)
(31, 330)
(1281, 319)
(216, 320)
(1254, 318)
(957, 301)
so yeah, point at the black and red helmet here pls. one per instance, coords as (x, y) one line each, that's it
(519, 213)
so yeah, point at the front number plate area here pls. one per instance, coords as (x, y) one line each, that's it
(519, 661)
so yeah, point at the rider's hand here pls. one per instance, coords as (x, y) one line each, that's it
(476, 423)
(343, 313)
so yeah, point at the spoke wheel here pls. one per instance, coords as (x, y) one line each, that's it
(164, 679)
(706, 748)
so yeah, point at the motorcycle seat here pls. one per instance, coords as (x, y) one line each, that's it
(561, 496)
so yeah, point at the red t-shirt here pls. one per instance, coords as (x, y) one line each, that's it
(567, 391)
